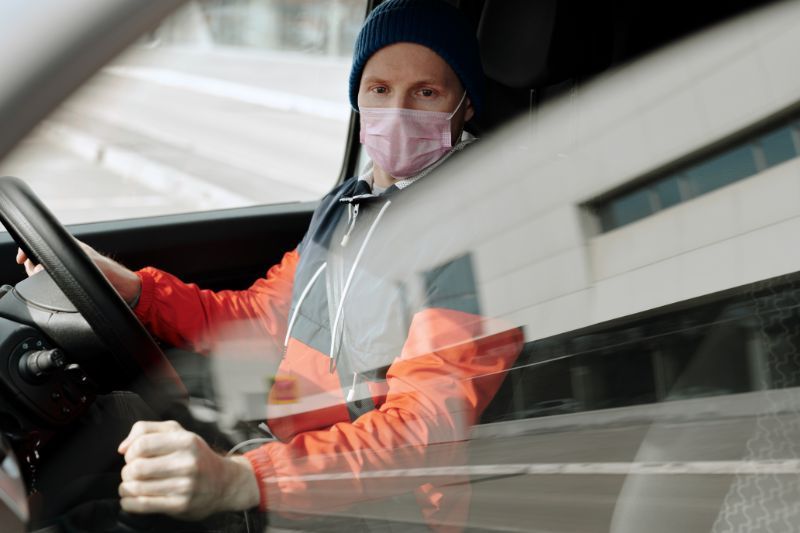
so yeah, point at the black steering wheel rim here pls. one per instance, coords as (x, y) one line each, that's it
(46, 241)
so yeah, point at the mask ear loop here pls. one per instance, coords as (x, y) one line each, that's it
(463, 97)
(450, 117)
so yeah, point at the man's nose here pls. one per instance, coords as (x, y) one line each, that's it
(401, 100)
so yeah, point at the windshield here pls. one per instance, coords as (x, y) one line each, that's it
(217, 106)
(579, 314)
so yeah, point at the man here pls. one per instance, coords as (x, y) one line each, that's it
(393, 376)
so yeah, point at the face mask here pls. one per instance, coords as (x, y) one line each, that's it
(405, 141)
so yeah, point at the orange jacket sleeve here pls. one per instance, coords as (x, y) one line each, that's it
(184, 315)
(445, 377)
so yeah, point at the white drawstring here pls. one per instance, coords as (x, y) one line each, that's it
(260, 440)
(352, 392)
(335, 328)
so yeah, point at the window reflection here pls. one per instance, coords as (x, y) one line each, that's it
(778, 146)
(757, 154)
(722, 170)
(754, 336)
(629, 208)
(668, 192)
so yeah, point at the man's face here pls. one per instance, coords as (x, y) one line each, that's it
(412, 76)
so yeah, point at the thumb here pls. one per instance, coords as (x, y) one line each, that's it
(31, 268)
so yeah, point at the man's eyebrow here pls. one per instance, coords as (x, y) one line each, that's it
(425, 81)
(373, 79)
(430, 81)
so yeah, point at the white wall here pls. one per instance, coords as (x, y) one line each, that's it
(516, 200)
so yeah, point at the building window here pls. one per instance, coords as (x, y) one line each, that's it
(738, 162)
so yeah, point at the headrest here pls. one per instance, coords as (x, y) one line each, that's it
(520, 40)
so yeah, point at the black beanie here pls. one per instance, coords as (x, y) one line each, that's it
(431, 23)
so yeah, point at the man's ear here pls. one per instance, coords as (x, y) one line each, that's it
(470, 112)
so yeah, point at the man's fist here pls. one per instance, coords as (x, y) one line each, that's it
(173, 471)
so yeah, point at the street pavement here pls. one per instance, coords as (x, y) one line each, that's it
(166, 130)
(79, 190)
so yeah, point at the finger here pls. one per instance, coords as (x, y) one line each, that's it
(158, 444)
(91, 252)
(143, 427)
(31, 268)
(171, 505)
(176, 464)
(21, 257)
(159, 487)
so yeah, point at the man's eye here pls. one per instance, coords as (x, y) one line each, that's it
(380, 90)
(427, 93)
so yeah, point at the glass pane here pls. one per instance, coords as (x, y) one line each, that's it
(471, 357)
(722, 170)
(778, 146)
(668, 191)
(629, 208)
(675, 356)
(224, 104)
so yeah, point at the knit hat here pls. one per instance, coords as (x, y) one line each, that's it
(431, 23)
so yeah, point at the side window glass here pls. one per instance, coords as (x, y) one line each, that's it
(226, 103)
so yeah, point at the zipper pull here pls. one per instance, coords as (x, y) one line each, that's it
(352, 392)
(351, 223)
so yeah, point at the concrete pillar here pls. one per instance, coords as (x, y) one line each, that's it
(188, 26)
(335, 18)
(757, 364)
(664, 372)
(587, 387)
(262, 24)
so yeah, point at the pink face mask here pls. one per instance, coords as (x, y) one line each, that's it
(405, 141)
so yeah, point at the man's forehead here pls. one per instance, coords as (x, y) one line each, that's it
(409, 61)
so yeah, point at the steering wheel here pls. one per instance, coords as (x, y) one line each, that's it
(45, 240)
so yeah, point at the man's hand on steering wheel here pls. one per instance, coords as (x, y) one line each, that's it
(127, 284)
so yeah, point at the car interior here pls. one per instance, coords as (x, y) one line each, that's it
(533, 53)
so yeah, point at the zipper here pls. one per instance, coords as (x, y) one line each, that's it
(338, 315)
